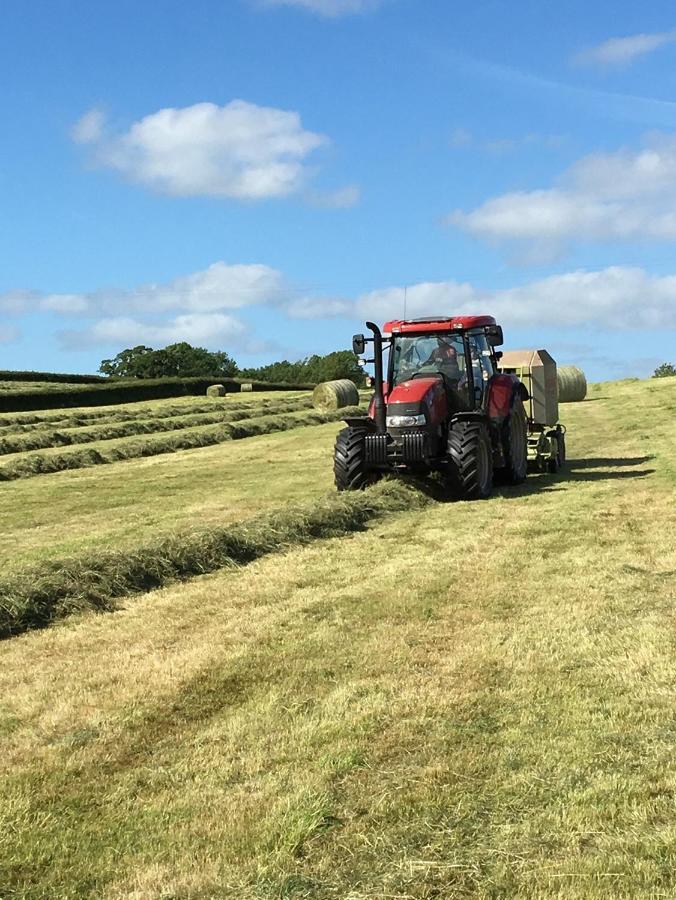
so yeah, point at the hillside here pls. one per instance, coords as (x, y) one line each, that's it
(449, 700)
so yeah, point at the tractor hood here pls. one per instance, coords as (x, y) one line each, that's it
(415, 390)
(419, 395)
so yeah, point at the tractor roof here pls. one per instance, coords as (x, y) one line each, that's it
(436, 324)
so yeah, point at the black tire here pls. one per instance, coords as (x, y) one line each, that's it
(349, 461)
(469, 468)
(557, 463)
(515, 444)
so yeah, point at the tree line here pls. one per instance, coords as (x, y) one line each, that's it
(182, 360)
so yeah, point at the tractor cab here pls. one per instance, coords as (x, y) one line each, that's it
(463, 358)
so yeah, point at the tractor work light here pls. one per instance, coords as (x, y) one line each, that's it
(405, 421)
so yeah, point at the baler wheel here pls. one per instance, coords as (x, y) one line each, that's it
(469, 470)
(515, 444)
(556, 463)
(349, 461)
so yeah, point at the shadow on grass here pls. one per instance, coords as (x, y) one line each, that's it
(604, 462)
(538, 482)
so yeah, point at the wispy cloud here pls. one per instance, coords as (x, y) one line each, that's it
(331, 9)
(622, 51)
(9, 334)
(653, 112)
(463, 138)
(342, 198)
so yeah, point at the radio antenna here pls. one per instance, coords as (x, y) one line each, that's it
(405, 299)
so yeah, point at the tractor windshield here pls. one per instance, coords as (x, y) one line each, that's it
(432, 354)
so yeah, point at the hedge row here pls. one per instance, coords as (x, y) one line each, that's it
(128, 392)
(56, 377)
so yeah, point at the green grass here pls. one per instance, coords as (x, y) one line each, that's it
(462, 700)
(68, 434)
(122, 506)
(125, 412)
(28, 465)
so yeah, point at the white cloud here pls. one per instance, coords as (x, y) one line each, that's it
(329, 8)
(628, 195)
(616, 298)
(240, 150)
(210, 329)
(218, 287)
(624, 50)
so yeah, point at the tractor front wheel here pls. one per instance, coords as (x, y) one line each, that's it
(349, 461)
(515, 444)
(469, 468)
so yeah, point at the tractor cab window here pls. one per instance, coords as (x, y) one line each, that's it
(426, 354)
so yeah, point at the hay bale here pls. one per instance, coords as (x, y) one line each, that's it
(572, 384)
(335, 395)
(247, 388)
(216, 390)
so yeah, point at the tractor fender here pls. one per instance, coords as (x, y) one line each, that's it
(503, 390)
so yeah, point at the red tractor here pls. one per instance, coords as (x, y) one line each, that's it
(442, 406)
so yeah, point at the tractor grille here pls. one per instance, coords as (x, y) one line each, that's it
(414, 447)
(376, 448)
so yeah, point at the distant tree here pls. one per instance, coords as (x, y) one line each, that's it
(664, 371)
(132, 363)
(312, 370)
(180, 360)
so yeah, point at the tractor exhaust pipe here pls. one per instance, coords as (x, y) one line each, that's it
(378, 397)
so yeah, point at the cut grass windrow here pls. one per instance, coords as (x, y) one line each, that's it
(43, 464)
(40, 595)
(63, 437)
(29, 423)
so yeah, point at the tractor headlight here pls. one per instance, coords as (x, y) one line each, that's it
(405, 421)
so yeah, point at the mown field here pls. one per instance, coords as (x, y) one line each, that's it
(375, 696)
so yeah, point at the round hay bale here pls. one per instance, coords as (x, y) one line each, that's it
(335, 395)
(572, 384)
(246, 388)
(216, 390)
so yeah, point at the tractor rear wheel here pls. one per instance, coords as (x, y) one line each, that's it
(469, 469)
(349, 461)
(515, 444)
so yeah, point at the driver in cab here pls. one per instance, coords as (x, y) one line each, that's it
(445, 358)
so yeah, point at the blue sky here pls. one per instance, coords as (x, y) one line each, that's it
(261, 175)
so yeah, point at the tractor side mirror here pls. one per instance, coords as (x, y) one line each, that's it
(494, 335)
(358, 344)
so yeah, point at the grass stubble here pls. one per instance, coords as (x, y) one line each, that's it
(464, 700)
